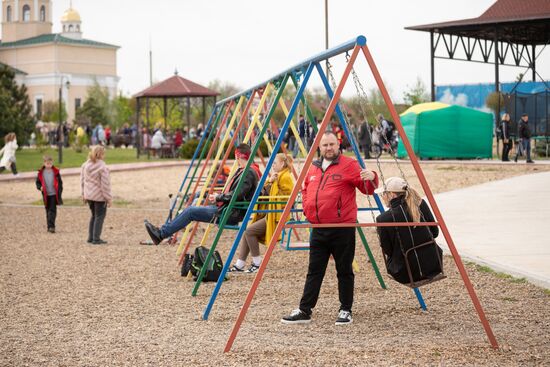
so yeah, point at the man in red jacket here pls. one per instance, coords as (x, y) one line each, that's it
(328, 196)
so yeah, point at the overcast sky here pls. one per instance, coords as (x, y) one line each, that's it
(247, 41)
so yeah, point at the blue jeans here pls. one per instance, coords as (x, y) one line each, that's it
(193, 213)
(527, 148)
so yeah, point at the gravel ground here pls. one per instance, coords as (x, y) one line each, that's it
(66, 303)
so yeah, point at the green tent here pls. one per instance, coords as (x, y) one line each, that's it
(438, 130)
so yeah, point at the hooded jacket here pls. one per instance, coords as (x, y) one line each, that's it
(424, 262)
(95, 181)
(57, 183)
(329, 196)
(244, 194)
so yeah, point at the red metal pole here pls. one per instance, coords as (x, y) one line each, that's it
(286, 212)
(431, 199)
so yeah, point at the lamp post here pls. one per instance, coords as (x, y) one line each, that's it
(60, 134)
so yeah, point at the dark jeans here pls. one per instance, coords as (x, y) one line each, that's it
(51, 211)
(340, 243)
(506, 150)
(526, 146)
(366, 151)
(99, 210)
(13, 168)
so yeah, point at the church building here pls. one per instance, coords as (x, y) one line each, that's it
(49, 63)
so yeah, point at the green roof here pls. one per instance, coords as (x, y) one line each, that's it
(15, 70)
(55, 38)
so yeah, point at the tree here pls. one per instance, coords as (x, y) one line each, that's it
(98, 108)
(225, 89)
(417, 94)
(496, 102)
(51, 111)
(15, 109)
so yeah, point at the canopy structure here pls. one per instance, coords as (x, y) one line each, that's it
(174, 87)
(438, 130)
(508, 33)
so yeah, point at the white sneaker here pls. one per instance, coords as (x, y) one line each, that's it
(344, 318)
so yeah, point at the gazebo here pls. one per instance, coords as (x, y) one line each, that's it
(508, 33)
(174, 87)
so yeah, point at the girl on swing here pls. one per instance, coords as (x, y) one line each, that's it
(261, 230)
(405, 205)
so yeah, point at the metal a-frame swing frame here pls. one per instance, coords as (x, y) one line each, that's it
(360, 45)
(297, 99)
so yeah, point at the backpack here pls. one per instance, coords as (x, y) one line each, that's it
(194, 263)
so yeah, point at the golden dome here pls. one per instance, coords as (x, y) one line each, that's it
(70, 15)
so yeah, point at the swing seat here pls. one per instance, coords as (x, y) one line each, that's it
(286, 243)
(440, 275)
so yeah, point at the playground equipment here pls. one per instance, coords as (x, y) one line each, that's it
(355, 46)
(274, 87)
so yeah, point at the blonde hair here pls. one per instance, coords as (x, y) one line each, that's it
(506, 117)
(287, 160)
(9, 137)
(413, 200)
(97, 153)
(47, 158)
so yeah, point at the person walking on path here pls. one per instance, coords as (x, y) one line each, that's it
(208, 213)
(365, 140)
(49, 182)
(405, 205)
(280, 184)
(525, 138)
(506, 140)
(95, 184)
(328, 196)
(8, 154)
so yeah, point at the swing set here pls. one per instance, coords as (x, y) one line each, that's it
(223, 118)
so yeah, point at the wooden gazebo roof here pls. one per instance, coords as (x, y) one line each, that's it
(176, 86)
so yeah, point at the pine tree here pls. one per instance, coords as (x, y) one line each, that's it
(15, 108)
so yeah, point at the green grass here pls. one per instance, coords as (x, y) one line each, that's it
(486, 269)
(547, 292)
(31, 159)
(118, 203)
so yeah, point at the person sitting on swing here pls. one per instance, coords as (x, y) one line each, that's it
(405, 205)
(279, 184)
(208, 213)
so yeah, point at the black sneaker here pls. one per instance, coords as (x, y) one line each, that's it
(297, 316)
(530, 161)
(99, 242)
(344, 318)
(153, 232)
(252, 269)
(51, 229)
(235, 269)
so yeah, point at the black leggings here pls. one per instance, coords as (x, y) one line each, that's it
(12, 166)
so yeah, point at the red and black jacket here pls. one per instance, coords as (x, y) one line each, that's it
(58, 184)
(329, 196)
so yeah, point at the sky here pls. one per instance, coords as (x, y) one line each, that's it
(245, 42)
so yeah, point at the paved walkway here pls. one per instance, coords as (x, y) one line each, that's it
(502, 224)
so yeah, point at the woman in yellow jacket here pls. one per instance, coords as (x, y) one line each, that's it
(279, 184)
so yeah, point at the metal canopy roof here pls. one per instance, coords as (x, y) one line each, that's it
(516, 21)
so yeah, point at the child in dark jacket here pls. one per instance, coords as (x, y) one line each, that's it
(49, 183)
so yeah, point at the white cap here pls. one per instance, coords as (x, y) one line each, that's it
(393, 184)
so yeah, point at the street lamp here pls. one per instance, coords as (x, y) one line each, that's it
(60, 134)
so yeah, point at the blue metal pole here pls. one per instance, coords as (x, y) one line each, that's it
(261, 183)
(327, 54)
(420, 299)
(194, 157)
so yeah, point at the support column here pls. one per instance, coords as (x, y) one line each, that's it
(188, 116)
(148, 123)
(139, 136)
(533, 67)
(165, 112)
(497, 81)
(432, 74)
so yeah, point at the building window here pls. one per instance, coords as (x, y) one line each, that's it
(77, 28)
(77, 102)
(26, 13)
(42, 13)
(39, 108)
(8, 14)
(70, 27)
